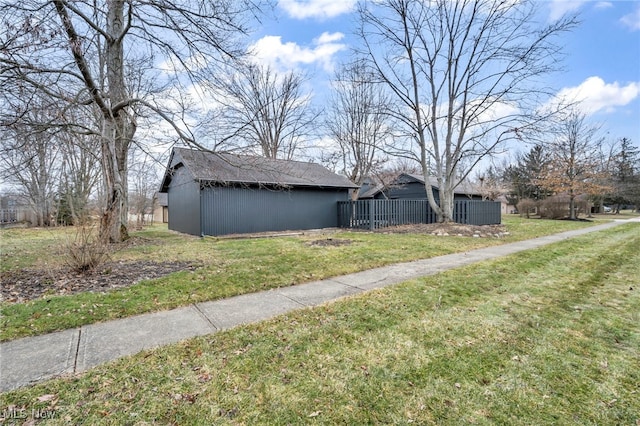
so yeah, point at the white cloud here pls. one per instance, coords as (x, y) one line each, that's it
(557, 8)
(595, 95)
(603, 5)
(328, 38)
(288, 56)
(560, 7)
(498, 111)
(320, 9)
(632, 20)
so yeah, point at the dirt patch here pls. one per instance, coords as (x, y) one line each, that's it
(29, 284)
(330, 242)
(449, 229)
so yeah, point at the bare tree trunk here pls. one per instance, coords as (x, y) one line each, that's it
(420, 127)
(572, 205)
(446, 202)
(113, 225)
(429, 189)
(118, 131)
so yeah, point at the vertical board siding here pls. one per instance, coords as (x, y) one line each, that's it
(184, 198)
(374, 214)
(236, 210)
(482, 212)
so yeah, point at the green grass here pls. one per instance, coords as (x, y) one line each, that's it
(230, 267)
(624, 214)
(28, 247)
(546, 337)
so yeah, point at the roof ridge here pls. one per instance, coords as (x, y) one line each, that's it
(209, 166)
(260, 157)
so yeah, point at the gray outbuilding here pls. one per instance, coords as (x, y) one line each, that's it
(220, 194)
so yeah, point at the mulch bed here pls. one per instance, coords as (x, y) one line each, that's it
(28, 284)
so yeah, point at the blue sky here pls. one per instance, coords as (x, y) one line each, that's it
(602, 63)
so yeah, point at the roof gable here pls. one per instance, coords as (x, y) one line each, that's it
(243, 169)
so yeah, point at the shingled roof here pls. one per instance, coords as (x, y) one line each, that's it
(464, 187)
(243, 169)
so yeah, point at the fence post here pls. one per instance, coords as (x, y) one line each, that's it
(371, 204)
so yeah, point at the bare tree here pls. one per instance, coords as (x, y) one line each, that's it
(573, 167)
(266, 111)
(54, 168)
(88, 53)
(464, 75)
(490, 183)
(29, 159)
(624, 166)
(357, 120)
(79, 175)
(144, 178)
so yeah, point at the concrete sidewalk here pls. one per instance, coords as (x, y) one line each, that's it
(30, 360)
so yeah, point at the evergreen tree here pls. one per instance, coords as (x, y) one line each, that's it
(523, 176)
(625, 175)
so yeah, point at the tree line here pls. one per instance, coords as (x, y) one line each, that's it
(572, 174)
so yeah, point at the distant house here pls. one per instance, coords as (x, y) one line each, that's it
(160, 207)
(219, 194)
(410, 186)
(505, 206)
(14, 209)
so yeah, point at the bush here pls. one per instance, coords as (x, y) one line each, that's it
(583, 206)
(86, 251)
(556, 207)
(526, 206)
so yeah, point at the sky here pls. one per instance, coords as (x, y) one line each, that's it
(602, 64)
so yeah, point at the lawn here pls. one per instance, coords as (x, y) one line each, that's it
(228, 267)
(546, 337)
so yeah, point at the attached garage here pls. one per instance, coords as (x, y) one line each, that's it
(220, 194)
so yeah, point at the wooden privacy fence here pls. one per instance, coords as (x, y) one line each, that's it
(374, 214)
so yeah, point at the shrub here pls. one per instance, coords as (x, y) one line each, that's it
(583, 206)
(526, 206)
(556, 207)
(85, 251)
